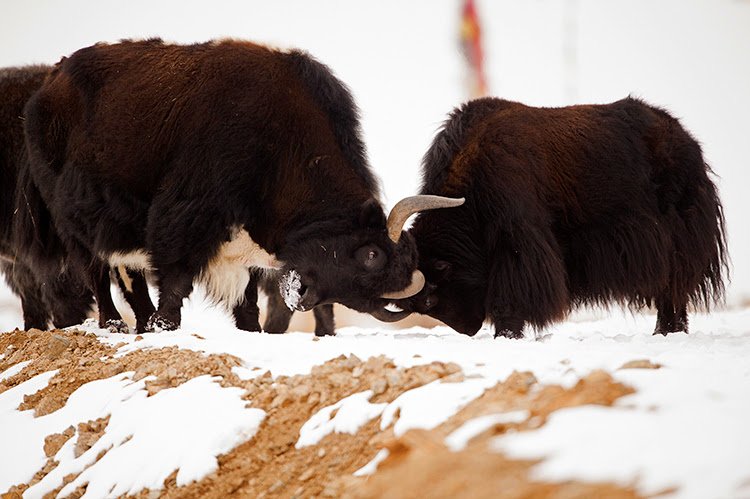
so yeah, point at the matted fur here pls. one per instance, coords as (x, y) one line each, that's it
(166, 149)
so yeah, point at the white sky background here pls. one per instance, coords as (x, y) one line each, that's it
(402, 62)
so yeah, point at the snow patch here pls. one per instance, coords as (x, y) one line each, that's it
(429, 405)
(372, 466)
(352, 413)
(14, 369)
(460, 438)
(147, 438)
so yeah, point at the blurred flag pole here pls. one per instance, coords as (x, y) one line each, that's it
(471, 47)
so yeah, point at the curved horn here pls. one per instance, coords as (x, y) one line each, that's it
(417, 283)
(413, 204)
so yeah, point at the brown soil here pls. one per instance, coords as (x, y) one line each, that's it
(269, 465)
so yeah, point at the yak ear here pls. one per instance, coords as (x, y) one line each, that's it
(371, 215)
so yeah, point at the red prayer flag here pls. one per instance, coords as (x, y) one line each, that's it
(471, 46)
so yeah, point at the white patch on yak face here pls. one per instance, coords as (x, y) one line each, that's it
(289, 286)
(226, 275)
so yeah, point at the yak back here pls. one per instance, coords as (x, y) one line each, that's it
(263, 134)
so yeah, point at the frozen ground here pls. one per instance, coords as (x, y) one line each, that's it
(684, 427)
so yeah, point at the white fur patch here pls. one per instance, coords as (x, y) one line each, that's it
(138, 259)
(226, 275)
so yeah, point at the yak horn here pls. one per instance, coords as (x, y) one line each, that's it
(411, 205)
(417, 283)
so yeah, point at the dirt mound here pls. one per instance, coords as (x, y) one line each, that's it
(269, 464)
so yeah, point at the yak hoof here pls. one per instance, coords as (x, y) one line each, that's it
(117, 326)
(324, 332)
(669, 330)
(507, 333)
(156, 324)
(250, 326)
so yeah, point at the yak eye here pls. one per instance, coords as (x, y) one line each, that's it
(316, 161)
(371, 257)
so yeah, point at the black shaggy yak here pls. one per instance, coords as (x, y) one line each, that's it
(588, 204)
(32, 256)
(203, 161)
(48, 292)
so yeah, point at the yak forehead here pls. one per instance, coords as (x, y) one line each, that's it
(319, 253)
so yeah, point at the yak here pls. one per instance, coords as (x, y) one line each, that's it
(34, 260)
(199, 162)
(579, 205)
(50, 293)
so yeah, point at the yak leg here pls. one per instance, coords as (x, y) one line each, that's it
(68, 298)
(174, 286)
(527, 279)
(35, 314)
(324, 325)
(134, 288)
(508, 327)
(109, 317)
(181, 238)
(670, 318)
(278, 316)
(246, 313)
(22, 282)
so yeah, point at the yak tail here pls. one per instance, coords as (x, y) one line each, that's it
(701, 261)
(33, 229)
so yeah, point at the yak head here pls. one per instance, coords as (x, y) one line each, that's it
(373, 260)
(442, 297)
(455, 281)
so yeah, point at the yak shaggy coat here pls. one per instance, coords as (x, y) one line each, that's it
(588, 204)
(31, 254)
(203, 161)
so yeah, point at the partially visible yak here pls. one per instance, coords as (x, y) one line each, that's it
(32, 256)
(50, 292)
(202, 161)
(580, 205)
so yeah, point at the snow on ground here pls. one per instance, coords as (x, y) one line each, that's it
(684, 427)
(144, 440)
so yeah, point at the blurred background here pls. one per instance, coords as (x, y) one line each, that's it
(410, 63)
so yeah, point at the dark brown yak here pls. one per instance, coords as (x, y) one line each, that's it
(203, 161)
(32, 256)
(588, 204)
(48, 291)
